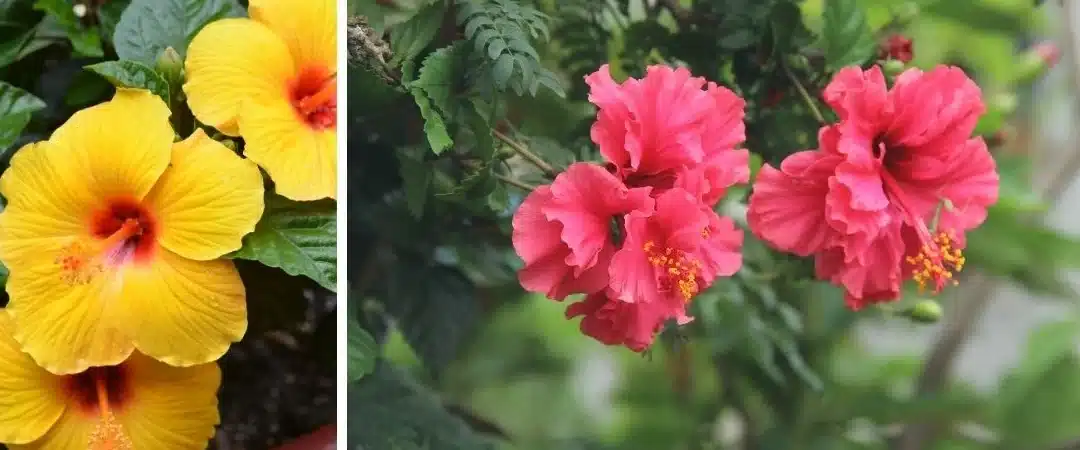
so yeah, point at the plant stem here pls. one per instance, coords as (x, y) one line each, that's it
(514, 182)
(805, 95)
(525, 153)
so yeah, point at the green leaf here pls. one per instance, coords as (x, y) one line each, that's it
(388, 410)
(362, 351)
(435, 307)
(297, 237)
(147, 27)
(434, 128)
(410, 38)
(846, 35)
(437, 77)
(132, 74)
(85, 40)
(276, 301)
(16, 108)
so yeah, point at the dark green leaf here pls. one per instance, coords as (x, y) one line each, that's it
(132, 74)
(147, 27)
(16, 108)
(846, 35)
(438, 75)
(390, 411)
(362, 351)
(276, 300)
(504, 68)
(297, 237)
(410, 38)
(435, 307)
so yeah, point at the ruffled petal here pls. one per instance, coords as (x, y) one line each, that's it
(172, 407)
(230, 62)
(787, 206)
(308, 27)
(30, 397)
(207, 200)
(301, 160)
(183, 312)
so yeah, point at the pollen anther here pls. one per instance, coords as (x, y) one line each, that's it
(937, 262)
(678, 270)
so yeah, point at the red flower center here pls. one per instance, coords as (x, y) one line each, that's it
(127, 229)
(100, 392)
(676, 270)
(313, 94)
(98, 386)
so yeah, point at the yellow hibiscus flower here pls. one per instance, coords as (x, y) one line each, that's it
(112, 235)
(272, 79)
(138, 404)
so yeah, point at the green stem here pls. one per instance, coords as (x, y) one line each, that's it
(515, 182)
(525, 153)
(805, 95)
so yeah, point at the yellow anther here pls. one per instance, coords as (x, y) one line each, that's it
(678, 270)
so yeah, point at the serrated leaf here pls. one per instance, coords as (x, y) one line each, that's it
(434, 128)
(16, 108)
(435, 307)
(437, 76)
(132, 74)
(847, 38)
(297, 237)
(388, 410)
(362, 351)
(503, 69)
(147, 27)
(410, 38)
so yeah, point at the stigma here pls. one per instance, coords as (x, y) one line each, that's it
(937, 263)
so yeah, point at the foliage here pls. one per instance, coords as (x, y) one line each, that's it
(437, 168)
(59, 56)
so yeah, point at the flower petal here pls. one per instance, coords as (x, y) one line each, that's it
(231, 61)
(181, 311)
(119, 147)
(302, 161)
(29, 395)
(207, 200)
(64, 324)
(172, 407)
(787, 206)
(71, 432)
(307, 26)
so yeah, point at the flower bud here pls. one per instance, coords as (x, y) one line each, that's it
(925, 311)
(892, 67)
(171, 67)
(896, 46)
(1036, 61)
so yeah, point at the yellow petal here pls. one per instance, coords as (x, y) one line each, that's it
(182, 311)
(301, 160)
(308, 26)
(231, 61)
(71, 432)
(171, 407)
(120, 147)
(48, 200)
(207, 200)
(30, 401)
(63, 323)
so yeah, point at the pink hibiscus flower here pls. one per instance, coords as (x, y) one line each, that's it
(563, 230)
(671, 254)
(666, 131)
(891, 189)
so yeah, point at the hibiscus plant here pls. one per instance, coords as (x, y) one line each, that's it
(605, 224)
(168, 225)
